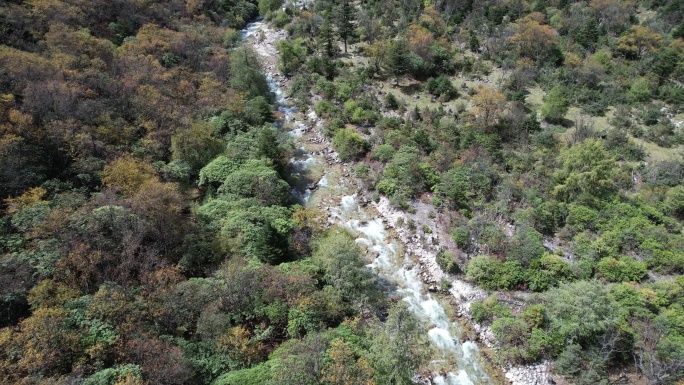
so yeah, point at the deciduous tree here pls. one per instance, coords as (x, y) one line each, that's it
(638, 41)
(586, 172)
(489, 106)
(534, 39)
(399, 347)
(127, 175)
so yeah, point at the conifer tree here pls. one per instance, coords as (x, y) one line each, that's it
(345, 21)
(325, 39)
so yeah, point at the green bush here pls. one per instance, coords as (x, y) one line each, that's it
(387, 187)
(584, 366)
(461, 235)
(526, 245)
(625, 269)
(510, 331)
(640, 90)
(493, 274)
(403, 176)
(268, 6)
(115, 375)
(391, 102)
(447, 261)
(257, 111)
(360, 113)
(349, 144)
(361, 170)
(292, 55)
(674, 201)
(542, 343)
(324, 108)
(580, 311)
(534, 315)
(481, 312)
(383, 152)
(586, 173)
(555, 106)
(546, 272)
(442, 87)
(485, 311)
(581, 218)
(257, 375)
(281, 19)
(484, 270)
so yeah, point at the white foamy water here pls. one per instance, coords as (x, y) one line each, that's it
(301, 197)
(303, 164)
(298, 129)
(251, 30)
(442, 338)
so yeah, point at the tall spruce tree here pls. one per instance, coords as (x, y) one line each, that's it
(345, 15)
(326, 41)
(397, 61)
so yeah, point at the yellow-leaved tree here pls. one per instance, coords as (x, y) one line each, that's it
(488, 107)
(638, 41)
(344, 368)
(127, 175)
(534, 39)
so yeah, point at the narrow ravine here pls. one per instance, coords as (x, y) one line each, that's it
(329, 187)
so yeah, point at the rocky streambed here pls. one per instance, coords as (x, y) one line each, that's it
(400, 254)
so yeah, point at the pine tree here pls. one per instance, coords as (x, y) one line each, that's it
(397, 62)
(345, 19)
(588, 35)
(325, 39)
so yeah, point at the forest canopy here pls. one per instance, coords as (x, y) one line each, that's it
(149, 234)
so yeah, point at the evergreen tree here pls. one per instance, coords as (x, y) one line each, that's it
(345, 19)
(325, 39)
(397, 61)
(588, 35)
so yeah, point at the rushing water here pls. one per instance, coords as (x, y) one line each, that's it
(458, 361)
(455, 362)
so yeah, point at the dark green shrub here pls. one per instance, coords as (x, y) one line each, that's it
(461, 235)
(383, 153)
(485, 311)
(546, 272)
(526, 245)
(447, 261)
(442, 87)
(349, 144)
(391, 102)
(493, 274)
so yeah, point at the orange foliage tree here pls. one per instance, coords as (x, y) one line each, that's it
(534, 39)
(419, 40)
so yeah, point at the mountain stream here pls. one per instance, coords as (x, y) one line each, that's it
(329, 186)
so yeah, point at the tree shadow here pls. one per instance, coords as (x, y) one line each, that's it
(300, 177)
(410, 89)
